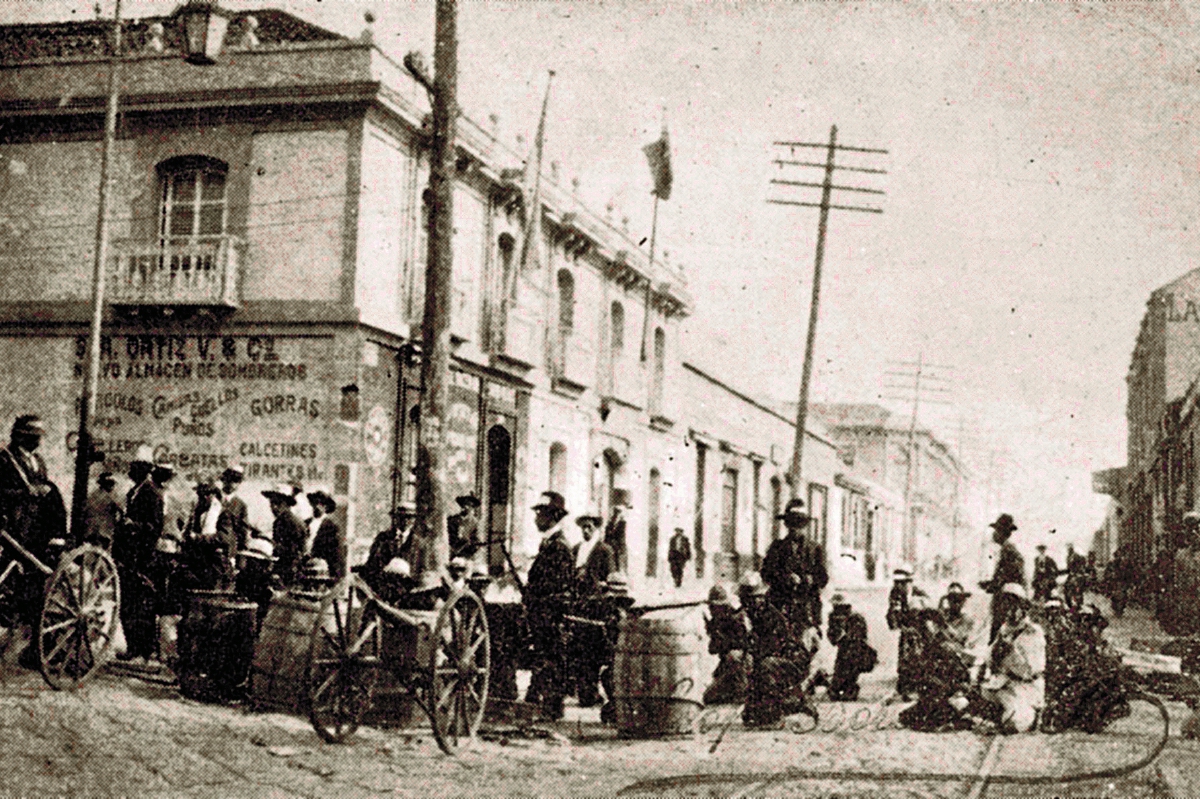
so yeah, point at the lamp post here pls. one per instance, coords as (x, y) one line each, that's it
(204, 29)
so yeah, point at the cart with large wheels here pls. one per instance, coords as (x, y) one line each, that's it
(441, 657)
(80, 599)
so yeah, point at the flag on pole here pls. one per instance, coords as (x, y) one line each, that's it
(658, 154)
(533, 190)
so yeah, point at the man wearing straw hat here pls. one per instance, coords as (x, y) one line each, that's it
(1015, 688)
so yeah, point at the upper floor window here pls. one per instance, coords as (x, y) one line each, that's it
(193, 198)
(558, 468)
(660, 364)
(566, 301)
(617, 335)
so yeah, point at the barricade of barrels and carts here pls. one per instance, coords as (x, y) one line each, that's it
(371, 650)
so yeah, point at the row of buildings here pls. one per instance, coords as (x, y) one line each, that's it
(264, 292)
(1158, 483)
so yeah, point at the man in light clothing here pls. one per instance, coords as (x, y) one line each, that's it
(1016, 687)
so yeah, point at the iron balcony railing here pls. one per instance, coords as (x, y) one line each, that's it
(196, 272)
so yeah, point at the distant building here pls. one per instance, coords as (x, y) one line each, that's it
(911, 490)
(1158, 483)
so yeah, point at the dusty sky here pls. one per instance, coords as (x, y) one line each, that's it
(1042, 180)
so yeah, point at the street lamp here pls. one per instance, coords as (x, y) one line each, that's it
(204, 26)
(204, 30)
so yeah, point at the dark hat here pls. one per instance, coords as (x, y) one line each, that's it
(205, 486)
(902, 573)
(163, 471)
(1004, 523)
(838, 599)
(404, 509)
(589, 518)
(233, 474)
(718, 595)
(319, 496)
(468, 501)
(794, 510)
(620, 498)
(956, 589)
(106, 477)
(282, 492)
(1040, 546)
(553, 501)
(28, 425)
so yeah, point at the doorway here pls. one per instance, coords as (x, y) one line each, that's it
(499, 491)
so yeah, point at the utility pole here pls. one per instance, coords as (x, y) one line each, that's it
(430, 529)
(827, 188)
(916, 381)
(87, 401)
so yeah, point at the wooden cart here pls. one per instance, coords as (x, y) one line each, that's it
(80, 601)
(441, 657)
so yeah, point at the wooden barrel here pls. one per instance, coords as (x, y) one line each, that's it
(659, 673)
(281, 652)
(216, 645)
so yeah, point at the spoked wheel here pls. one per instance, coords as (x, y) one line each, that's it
(344, 656)
(79, 616)
(458, 682)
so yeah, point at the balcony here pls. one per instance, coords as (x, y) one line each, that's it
(190, 273)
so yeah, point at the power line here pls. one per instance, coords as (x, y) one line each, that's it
(827, 187)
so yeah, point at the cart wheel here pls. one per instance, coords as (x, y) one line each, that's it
(343, 658)
(458, 682)
(79, 616)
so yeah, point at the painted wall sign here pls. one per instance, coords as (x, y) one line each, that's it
(201, 402)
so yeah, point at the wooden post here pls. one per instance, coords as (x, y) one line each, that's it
(433, 544)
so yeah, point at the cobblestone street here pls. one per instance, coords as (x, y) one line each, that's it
(123, 735)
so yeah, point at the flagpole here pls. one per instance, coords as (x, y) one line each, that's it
(649, 276)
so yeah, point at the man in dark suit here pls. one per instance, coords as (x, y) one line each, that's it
(1045, 574)
(794, 571)
(328, 543)
(463, 527)
(233, 527)
(1010, 568)
(679, 552)
(548, 593)
(388, 569)
(594, 558)
(145, 517)
(287, 534)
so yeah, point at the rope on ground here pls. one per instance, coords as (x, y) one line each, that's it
(659, 784)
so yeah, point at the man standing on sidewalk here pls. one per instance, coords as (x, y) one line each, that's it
(679, 552)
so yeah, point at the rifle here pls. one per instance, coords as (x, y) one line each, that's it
(638, 611)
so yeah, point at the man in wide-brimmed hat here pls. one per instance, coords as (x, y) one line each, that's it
(103, 512)
(1010, 568)
(549, 591)
(1045, 574)
(794, 571)
(463, 527)
(147, 519)
(325, 538)
(594, 566)
(287, 533)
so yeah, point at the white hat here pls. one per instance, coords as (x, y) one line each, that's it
(1015, 589)
(259, 548)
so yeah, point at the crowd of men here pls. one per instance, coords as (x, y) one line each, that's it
(1043, 660)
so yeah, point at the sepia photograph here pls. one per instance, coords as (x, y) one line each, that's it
(581, 398)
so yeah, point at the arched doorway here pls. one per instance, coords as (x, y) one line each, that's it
(499, 473)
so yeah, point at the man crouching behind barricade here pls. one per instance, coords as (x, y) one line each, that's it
(1084, 689)
(943, 679)
(779, 661)
(1013, 694)
(727, 633)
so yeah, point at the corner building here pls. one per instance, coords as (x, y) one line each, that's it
(265, 279)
